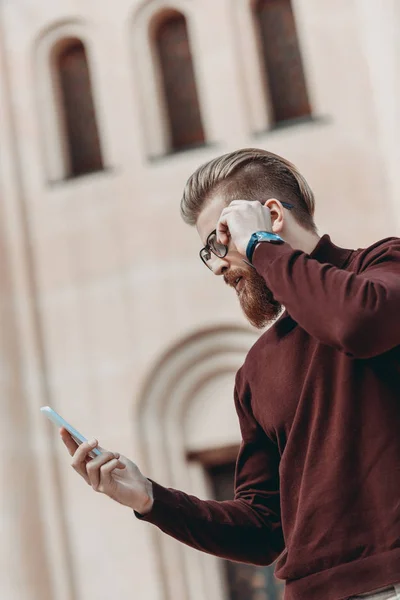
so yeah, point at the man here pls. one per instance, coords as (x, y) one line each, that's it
(317, 481)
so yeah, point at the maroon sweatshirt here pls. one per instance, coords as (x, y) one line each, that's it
(317, 481)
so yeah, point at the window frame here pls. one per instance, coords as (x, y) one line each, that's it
(174, 145)
(148, 78)
(54, 146)
(254, 76)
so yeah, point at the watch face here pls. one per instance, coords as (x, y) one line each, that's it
(268, 237)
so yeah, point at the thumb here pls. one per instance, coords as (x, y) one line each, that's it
(223, 233)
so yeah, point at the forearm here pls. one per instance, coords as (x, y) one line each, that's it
(356, 313)
(231, 530)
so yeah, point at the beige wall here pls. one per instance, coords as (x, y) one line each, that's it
(103, 278)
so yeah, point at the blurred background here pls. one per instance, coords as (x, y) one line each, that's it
(106, 312)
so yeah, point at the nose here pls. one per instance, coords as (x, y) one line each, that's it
(219, 266)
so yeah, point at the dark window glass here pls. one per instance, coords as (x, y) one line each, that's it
(245, 582)
(179, 83)
(80, 119)
(282, 60)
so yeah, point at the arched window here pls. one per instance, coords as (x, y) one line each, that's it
(178, 81)
(282, 60)
(80, 127)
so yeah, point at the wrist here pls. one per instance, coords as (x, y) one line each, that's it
(257, 238)
(148, 499)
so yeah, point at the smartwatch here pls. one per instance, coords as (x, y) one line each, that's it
(261, 236)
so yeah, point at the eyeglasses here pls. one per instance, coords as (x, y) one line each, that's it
(220, 250)
(214, 247)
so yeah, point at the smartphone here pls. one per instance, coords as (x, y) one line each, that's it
(60, 422)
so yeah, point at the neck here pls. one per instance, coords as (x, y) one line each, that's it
(300, 239)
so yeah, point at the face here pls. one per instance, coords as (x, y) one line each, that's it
(256, 299)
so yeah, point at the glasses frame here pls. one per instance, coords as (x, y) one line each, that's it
(207, 247)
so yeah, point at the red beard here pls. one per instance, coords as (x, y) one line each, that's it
(256, 299)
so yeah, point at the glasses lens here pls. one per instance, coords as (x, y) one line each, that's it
(218, 248)
(205, 256)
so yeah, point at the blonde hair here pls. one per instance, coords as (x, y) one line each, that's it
(250, 174)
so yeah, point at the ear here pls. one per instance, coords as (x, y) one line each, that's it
(277, 214)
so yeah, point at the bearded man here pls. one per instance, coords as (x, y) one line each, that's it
(317, 485)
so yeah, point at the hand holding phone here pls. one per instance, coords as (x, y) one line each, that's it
(107, 472)
(60, 422)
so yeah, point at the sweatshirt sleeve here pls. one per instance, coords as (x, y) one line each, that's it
(357, 313)
(246, 529)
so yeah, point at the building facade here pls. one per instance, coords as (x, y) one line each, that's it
(106, 312)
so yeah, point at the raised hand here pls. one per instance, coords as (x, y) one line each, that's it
(240, 220)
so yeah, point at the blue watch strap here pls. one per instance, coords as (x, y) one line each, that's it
(261, 236)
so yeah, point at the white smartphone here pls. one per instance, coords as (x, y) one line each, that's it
(60, 422)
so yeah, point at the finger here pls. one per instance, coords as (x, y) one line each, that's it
(223, 236)
(236, 207)
(94, 466)
(106, 479)
(222, 229)
(230, 210)
(70, 444)
(82, 458)
(121, 465)
(116, 454)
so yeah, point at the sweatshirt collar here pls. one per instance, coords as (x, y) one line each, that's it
(326, 252)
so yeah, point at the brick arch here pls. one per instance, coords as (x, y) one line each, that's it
(174, 385)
